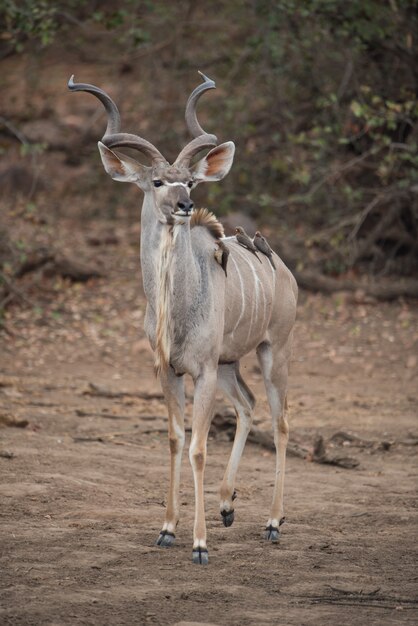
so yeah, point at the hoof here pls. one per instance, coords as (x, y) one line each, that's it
(165, 539)
(200, 556)
(228, 517)
(273, 533)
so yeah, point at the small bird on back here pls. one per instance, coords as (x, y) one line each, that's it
(245, 241)
(221, 255)
(262, 244)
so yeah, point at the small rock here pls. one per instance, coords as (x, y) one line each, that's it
(8, 419)
(5, 454)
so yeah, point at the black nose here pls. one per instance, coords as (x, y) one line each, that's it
(185, 205)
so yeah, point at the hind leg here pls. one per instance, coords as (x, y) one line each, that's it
(231, 383)
(274, 366)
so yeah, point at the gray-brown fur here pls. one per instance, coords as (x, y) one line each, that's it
(262, 244)
(245, 241)
(203, 217)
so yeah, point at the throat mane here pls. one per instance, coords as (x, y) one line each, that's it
(163, 334)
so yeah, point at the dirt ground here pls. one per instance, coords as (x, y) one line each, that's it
(84, 475)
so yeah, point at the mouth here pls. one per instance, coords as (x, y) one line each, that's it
(183, 212)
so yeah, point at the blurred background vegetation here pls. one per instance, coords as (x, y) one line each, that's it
(320, 97)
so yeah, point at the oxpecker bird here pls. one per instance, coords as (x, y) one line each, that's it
(245, 241)
(221, 255)
(262, 244)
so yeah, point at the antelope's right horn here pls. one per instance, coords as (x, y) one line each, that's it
(201, 139)
(112, 137)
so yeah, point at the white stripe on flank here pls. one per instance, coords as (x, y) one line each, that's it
(260, 286)
(256, 284)
(244, 256)
(242, 295)
(266, 312)
(264, 301)
(273, 276)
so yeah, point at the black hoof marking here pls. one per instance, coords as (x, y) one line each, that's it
(234, 495)
(228, 517)
(200, 556)
(165, 539)
(272, 534)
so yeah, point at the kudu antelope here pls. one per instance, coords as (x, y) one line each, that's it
(200, 319)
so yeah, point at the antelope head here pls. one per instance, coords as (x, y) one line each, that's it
(168, 185)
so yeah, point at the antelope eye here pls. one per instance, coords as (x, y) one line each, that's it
(190, 184)
(158, 183)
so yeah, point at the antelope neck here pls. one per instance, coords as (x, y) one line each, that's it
(153, 236)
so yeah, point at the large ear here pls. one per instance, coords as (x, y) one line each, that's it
(124, 170)
(216, 164)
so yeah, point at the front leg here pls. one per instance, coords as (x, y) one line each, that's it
(173, 388)
(204, 399)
